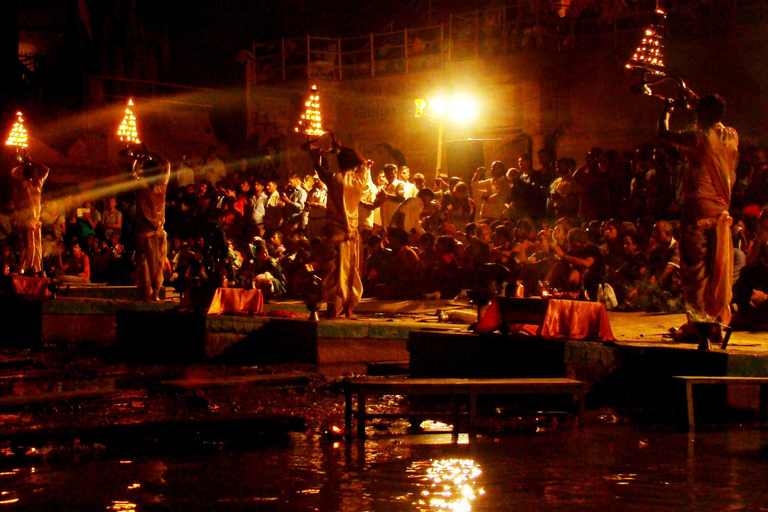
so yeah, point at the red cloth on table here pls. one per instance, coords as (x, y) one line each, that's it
(564, 319)
(24, 286)
(236, 300)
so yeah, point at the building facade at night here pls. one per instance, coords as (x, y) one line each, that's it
(542, 77)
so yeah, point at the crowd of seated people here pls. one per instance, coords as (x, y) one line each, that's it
(560, 227)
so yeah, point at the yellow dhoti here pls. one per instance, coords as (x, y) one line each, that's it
(343, 287)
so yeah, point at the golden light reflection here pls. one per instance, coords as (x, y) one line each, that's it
(134, 486)
(18, 135)
(451, 484)
(6, 498)
(122, 506)
(435, 426)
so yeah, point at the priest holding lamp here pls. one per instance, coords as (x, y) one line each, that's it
(151, 173)
(28, 179)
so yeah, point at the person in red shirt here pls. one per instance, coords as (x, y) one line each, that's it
(74, 265)
(403, 271)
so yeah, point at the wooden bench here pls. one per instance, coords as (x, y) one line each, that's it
(690, 381)
(456, 388)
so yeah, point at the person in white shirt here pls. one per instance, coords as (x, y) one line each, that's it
(213, 169)
(405, 177)
(395, 194)
(185, 172)
(408, 215)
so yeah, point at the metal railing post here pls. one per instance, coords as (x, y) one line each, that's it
(405, 40)
(442, 46)
(373, 58)
(477, 33)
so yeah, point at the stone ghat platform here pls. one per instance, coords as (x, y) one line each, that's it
(330, 347)
(635, 370)
(31, 323)
(403, 337)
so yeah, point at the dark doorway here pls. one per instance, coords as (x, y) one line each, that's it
(464, 157)
(514, 148)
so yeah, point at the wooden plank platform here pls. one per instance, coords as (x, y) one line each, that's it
(220, 382)
(692, 380)
(468, 388)
(42, 398)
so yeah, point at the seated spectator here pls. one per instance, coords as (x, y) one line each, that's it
(102, 262)
(440, 275)
(75, 227)
(402, 275)
(408, 215)
(274, 243)
(565, 192)
(611, 246)
(662, 290)
(267, 273)
(376, 266)
(503, 246)
(523, 246)
(52, 220)
(74, 266)
(750, 292)
(90, 217)
(478, 248)
(664, 260)
(460, 209)
(626, 276)
(112, 220)
(7, 260)
(426, 250)
(538, 267)
(582, 269)
(7, 220)
(187, 269)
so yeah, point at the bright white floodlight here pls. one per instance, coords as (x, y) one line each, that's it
(463, 109)
(438, 106)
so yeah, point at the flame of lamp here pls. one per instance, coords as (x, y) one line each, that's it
(18, 136)
(128, 131)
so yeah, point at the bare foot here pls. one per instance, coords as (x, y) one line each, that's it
(349, 313)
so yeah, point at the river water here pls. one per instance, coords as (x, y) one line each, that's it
(601, 467)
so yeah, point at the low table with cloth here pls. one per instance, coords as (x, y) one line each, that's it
(548, 318)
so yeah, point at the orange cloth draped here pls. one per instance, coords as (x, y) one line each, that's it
(236, 300)
(577, 320)
(719, 287)
(564, 319)
(707, 271)
(31, 286)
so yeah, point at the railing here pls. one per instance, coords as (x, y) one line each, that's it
(520, 27)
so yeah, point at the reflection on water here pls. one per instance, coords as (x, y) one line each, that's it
(614, 467)
(449, 484)
(122, 506)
